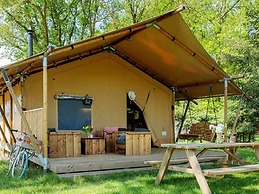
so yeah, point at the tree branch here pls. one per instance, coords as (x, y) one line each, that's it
(16, 21)
(225, 14)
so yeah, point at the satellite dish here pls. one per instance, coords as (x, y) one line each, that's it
(131, 95)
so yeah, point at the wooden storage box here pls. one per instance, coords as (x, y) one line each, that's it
(138, 143)
(110, 141)
(64, 144)
(95, 145)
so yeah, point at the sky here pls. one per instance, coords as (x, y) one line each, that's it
(4, 61)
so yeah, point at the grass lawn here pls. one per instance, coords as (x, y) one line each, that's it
(128, 182)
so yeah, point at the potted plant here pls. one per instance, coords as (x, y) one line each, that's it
(88, 130)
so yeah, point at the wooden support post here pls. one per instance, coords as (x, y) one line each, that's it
(198, 172)
(25, 122)
(3, 100)
(231, 154)
(7, 124)
(11, 111)
(3, 134)
(225, 109)
(164, 166)
(45, 108)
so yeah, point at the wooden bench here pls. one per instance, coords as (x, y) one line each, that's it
(194, 166)
(199, 131)
(181, 161)
(220, 172)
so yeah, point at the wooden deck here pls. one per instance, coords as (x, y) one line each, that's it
(105, 162)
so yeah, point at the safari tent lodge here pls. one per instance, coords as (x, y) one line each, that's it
(122, 82)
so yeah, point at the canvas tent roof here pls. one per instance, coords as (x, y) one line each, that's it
(163, 47)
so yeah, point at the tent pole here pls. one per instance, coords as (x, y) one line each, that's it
(183, 119)
(173, 116)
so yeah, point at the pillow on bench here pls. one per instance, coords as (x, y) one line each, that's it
(141, 130)
(121, 139)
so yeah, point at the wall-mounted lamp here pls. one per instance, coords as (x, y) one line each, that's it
(131, 95)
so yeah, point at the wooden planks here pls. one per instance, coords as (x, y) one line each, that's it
(34, 118)
(138, 143)
(231, 170)
(110, 141)
(94, 146)
(113, 161)
(64, 144)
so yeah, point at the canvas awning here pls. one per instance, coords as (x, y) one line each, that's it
(162, 47)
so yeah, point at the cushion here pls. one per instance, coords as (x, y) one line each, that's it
(121, 139)
(109, 129)
(122, 129)
(141, 130)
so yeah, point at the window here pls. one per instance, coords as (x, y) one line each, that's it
(73, 114)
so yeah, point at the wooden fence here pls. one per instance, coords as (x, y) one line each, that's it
(35, 120)
(64, 144)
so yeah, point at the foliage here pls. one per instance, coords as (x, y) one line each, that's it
(205, 111)
(229, 32)
(54, 22)
(87, 130)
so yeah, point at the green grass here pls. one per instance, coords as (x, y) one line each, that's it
(128, 182)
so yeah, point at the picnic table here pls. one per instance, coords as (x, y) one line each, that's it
(193, 165)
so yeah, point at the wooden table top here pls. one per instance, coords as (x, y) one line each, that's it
(208, 145)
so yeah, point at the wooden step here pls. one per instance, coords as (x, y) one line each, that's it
(231, 170)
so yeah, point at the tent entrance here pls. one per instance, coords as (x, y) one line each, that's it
(135, 117)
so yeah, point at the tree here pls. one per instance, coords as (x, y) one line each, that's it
(54, 22)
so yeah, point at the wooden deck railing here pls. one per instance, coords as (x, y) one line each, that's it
(34, 118)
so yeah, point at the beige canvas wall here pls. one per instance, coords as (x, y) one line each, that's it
(107, 79)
